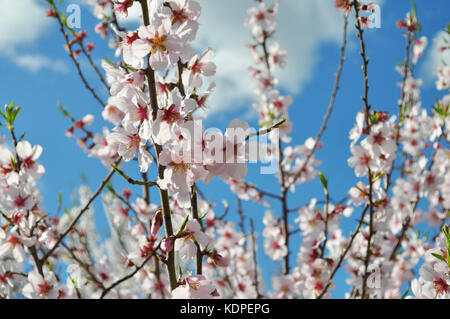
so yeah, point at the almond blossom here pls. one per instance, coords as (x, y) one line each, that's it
(181, 243)
(164, 46)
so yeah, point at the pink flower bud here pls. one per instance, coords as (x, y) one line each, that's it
(126, 193)
(401, 24)
(219, 260)
(90, 46)
(167, 244)
(70, 132)
(156, 224)
(76, 53)
(102, 29)
(80, 35)
(51, 13)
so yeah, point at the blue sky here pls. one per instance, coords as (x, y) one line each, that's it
(36, 73)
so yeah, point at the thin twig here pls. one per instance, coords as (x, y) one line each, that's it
(255, 264)
(342, 257)
(71, 54)
(194, 212)
(330, 106)
(82, 211)
(125, 278)
(150, 73)
(94, 66)
(400, 106)
(132, 181)
(266, 130)
(367, 107)
(241, 214)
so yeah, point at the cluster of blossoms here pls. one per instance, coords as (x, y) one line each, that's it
(388, 243)
(321, 247)
(296, 164)
(180, 247)
(434, 280)
(154, 92)
(385, 240)
(25, 227)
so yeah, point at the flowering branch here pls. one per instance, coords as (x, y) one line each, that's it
(255, 263)
(342, 256)
(72, 55)
(125, 278)
(266, 130)
(365, 99)
(132, 181)
(330, 105)
(163, 193)
(82, 211)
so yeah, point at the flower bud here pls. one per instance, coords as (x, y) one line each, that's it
(51, 13)
(167, 244)
(90, 46)
(126, 193)
(219, 260)
(156, 223)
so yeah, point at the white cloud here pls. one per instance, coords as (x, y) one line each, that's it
(434, 58)
(22, 24)
(36, 62)
(303, 25)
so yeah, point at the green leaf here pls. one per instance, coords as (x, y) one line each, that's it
(13, 162)
(63, 110)
(14, 113)
(183, 225)
(405, 293)
(63, 18)
(439, 257)
(446, 232)
(64, 21)
(447, 235)
(414, 10)
(22, 136)
(110, 188)
(59, 198)
(324, 181)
